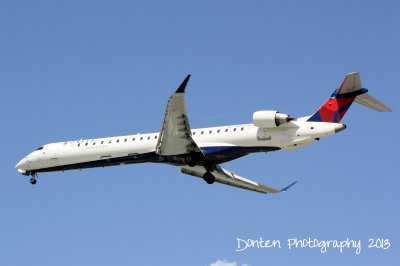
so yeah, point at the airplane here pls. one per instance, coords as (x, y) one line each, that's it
(199, 152)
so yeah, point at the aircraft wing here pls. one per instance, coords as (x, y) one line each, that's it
(229, 178)
(175, 135)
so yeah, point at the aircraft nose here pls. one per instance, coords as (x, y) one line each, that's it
(340, 127)
(22, 165)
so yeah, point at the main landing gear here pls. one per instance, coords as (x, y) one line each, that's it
(209, 178)
(192, 159)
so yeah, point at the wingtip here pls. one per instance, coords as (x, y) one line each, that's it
(182, 87)
(286, 188)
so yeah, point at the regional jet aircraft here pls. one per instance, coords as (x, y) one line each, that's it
(199, 152)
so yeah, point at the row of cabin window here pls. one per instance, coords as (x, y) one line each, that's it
(155, 137)
(226, 130)
(109, 142)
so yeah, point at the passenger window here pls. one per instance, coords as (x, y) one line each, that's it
(79, 144)
(141, 138)
(155, 137)
(234, 129)
(102, 142)
(202, 132)
(218, 131)
(210, 132)
(242, 129)
(94, 143)
(148, 137)
(117, 140)
(109, 142)
(126, 140)
(133, 139)
(226, 130)
(86, 144)
(194, 133)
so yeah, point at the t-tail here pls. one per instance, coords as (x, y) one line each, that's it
(334, 109)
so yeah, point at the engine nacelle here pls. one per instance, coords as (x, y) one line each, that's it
(265, 119)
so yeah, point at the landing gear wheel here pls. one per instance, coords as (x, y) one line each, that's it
(191, 159)
(209, 178)
(32, 180)
(209, 168)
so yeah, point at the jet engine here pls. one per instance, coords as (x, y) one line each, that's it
(268, 119)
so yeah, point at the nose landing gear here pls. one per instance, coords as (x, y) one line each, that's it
(33, 178)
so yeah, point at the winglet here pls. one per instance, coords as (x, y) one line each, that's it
(182, 87)
(286, 188)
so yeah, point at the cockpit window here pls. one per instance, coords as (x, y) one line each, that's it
(41, 148)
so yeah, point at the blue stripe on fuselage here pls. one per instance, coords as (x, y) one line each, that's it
(214, 155)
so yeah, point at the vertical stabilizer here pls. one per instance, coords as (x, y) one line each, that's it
(334, 109)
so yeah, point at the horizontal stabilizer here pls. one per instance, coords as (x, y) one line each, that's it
(369, 101)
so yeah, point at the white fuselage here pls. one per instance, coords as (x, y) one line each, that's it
(79, 154)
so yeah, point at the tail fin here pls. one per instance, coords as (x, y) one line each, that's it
(334, 109)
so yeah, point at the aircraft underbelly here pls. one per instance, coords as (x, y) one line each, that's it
(215, 155)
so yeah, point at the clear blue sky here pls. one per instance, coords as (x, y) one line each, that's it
(86, 69)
